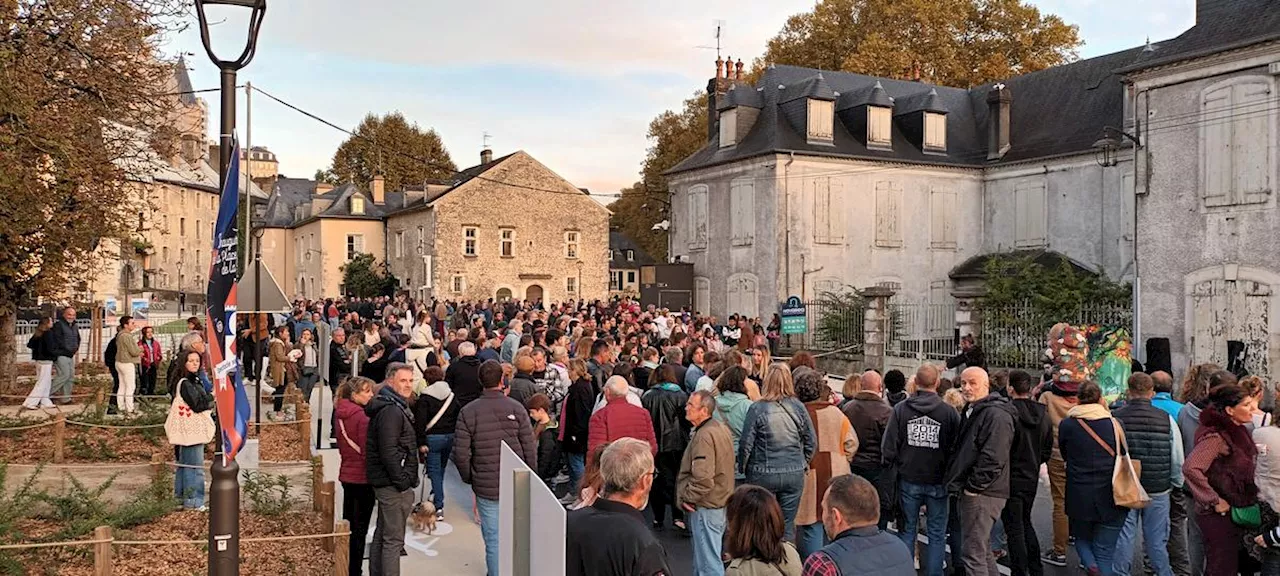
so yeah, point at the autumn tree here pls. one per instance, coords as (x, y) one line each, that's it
(401, 151)
(947, 42)
(364, 277)
(83, 107)
(673, 136)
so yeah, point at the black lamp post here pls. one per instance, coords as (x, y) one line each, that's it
(224, 490)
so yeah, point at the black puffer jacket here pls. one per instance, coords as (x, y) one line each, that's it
(981, 462)
(482, 427)
(65, 339)
(665, 403)
(391, 449)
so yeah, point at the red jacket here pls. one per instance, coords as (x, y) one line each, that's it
(353, 425)
(620, 419)
(150, 352)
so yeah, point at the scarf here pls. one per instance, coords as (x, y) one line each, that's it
(1089, 412)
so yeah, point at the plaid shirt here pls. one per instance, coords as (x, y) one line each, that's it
(819, 564)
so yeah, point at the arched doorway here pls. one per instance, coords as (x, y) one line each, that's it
(533, 293)
(503, 295)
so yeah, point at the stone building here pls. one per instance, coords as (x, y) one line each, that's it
(1208, 252)
(625, 259)
(506, 228)
(817, 181)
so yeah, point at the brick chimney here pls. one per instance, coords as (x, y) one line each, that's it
(486, 155)
(378, 189)
(999, 100)
(737, 73)
(716, 89)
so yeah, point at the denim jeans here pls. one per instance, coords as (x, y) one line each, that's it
(188, 481)
(810, 539)
(1155, 537)
(488, 510)
(787, 486)
(1270, 563)
(1096, 544)
(577, 467)
(706, 527)
(439, 446)
(934, 500)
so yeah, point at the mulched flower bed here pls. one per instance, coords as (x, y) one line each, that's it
(85, 445)
(278, 443)
(293, 557)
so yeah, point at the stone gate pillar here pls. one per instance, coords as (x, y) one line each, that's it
(875, 326)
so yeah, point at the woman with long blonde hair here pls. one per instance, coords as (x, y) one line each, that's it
(777, 442)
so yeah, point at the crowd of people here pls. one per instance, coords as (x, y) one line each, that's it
(651, 420)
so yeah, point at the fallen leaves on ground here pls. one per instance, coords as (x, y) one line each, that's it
(287, 558)
(279, 442)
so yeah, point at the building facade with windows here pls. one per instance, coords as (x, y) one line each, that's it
(1208, 252)
(506, 228)
(817, 181)
(625, 259)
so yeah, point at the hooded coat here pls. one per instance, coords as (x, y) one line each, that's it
(981, 463)
(353, 436)
(463, 377)
(920, 437)
(1032, 445)
(391, 449)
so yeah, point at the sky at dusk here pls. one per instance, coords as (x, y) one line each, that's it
(572, 82)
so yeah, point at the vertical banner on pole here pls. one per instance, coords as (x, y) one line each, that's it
(220, 325)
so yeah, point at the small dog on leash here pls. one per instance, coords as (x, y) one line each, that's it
(423, 518)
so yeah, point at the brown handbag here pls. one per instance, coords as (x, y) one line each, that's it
(1125, 486)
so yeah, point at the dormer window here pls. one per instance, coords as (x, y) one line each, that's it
(879, 127)
(728, 127)
(357, 205)
(935, 132)
(821, 120)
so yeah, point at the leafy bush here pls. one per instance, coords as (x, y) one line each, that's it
(267, 494)
(13, 507)
(81, 509)
(838, 319)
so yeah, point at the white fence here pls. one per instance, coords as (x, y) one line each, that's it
(922, 330)
(25, 328)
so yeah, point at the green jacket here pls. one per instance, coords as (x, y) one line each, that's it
(752, 567)
(127, 350)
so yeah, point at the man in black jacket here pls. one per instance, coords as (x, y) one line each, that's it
(483, 425)
(610, 538)
(1032, 445)
(391, 464)
(918, 441)
(665, 402)
(970, 356)
(980, 470)
(463, 375)
(64, 345)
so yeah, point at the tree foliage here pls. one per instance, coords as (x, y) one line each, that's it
(364, 277)
(673, 136)
(394, 147)
(82, 105)
(949, 42)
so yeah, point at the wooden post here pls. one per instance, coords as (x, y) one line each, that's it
(304, 430)
(102, 561)
(157, 468)
(341, 548)
(59, 437)
(317, 481)
(100, 395)
(326, 512)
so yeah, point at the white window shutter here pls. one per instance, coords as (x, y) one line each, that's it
(821, 210)
(742, 209)
(1216, 147)
(888, 211)
(821, 120)
(1029, 201)
(1251, 127)
(835, 210)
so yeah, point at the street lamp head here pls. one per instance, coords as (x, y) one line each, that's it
(258, 8)
(1106, 151)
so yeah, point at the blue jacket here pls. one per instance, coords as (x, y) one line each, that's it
(691, 377)
(777, 438)
(1165, 401)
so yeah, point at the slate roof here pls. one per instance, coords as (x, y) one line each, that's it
(141, 163)
(619, 243)
(1061, 110)
(975, 268)
(1220, 25)
(184, 82)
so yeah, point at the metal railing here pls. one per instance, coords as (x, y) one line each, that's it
(833, 323)
(25, 328)
(1014, 336)
(922, 330)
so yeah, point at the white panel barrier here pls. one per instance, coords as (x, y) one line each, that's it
(531, 522)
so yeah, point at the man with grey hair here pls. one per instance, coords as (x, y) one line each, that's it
(980, 469)
(620, 418)
(610, 538)
(391, 464)
(705, 481)
(674, 357)
(463, 374)
(511, 342)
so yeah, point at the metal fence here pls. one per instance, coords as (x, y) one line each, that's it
(922, 330)
(1014, 336)
(833, 323)
(168, 335)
